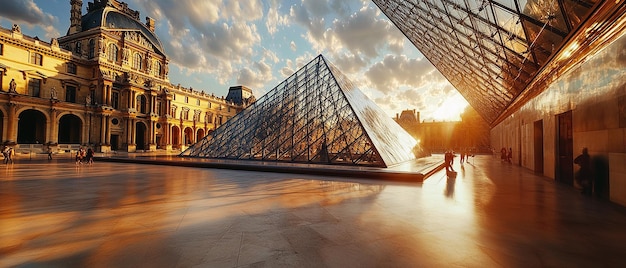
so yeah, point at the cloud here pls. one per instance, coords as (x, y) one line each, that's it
(213, 37)
(26, 11)
(394, 72)
(257, 76)
(293, 46)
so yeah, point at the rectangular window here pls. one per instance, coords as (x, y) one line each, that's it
(158, 108)
(115, 99)
(198, 102)
(36, 58)
(186, 99)
(209, 104)
(71, 68)
(1, 49)
(34, 87)
(92, 94)
(70, 94)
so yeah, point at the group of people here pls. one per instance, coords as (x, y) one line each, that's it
(84, 156)
(505, 155)
(449, 158)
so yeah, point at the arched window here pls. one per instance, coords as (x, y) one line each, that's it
(137, 61)
(79, 48)
(112, 53)
(92, 48)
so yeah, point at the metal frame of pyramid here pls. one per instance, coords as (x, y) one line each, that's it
(316, 116)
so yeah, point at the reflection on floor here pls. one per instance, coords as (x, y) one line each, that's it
(127, 215)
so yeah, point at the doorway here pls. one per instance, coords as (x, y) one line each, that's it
(565, 145)
(538, 141)
(115, 139)
(140, 138)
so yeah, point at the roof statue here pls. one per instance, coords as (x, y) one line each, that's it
(316, 116)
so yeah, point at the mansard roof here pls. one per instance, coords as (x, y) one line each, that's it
(110, 18)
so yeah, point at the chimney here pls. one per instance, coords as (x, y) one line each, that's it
(76, 14)
(150, 23)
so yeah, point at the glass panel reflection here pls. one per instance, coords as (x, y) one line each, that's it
(501, 42)
(316, 116)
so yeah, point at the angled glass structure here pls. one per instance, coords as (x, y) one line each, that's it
(498, 53)
(316, 116)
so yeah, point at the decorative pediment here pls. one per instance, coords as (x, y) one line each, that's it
(138, 38)
(39, 74)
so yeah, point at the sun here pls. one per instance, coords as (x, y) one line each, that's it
(451, 109)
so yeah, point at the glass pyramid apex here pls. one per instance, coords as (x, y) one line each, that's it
(316, 116)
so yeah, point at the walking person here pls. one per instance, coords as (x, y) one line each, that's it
(448, 160)
(509, 155)
(583, 176)
(49, 153)
(8, 154)
(89, 156)
(462, 156)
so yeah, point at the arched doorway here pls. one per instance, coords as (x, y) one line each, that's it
(31, 127)
(175, 136)
(69, 129)
(188, 136)
(140, 136)
(200, 135)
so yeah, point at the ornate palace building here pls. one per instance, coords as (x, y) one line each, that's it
(105, 85)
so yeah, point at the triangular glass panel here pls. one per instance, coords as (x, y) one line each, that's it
(316, 116)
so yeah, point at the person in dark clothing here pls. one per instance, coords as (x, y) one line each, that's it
(448, 159)
(583, 177)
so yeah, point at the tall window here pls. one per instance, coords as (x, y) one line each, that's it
(70, 94)
(92, 48)
(34, 87)
(112, 53)
(158, 108)
(115, 99)
(92, 94)
(137, 61)
(157, 68)
(79, 48)
(141, 104)
(36, 58)
(186, 99)
(71, 68)
(185, 114)
(1, 49)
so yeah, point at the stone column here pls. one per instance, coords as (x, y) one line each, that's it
(53, 127)
(103, 129)
(11, 135)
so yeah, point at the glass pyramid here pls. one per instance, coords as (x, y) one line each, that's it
(316, 116)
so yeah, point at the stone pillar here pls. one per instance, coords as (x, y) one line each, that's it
(109, 94)
(12, 123)
(108, 131)
(53, 127)
(103, 129)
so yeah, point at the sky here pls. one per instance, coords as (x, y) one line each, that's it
(215, 44)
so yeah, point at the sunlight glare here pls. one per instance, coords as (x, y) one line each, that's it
(451, 109)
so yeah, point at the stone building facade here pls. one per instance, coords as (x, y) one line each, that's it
(104, 85)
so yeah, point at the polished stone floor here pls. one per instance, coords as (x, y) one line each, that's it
(57, 214)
